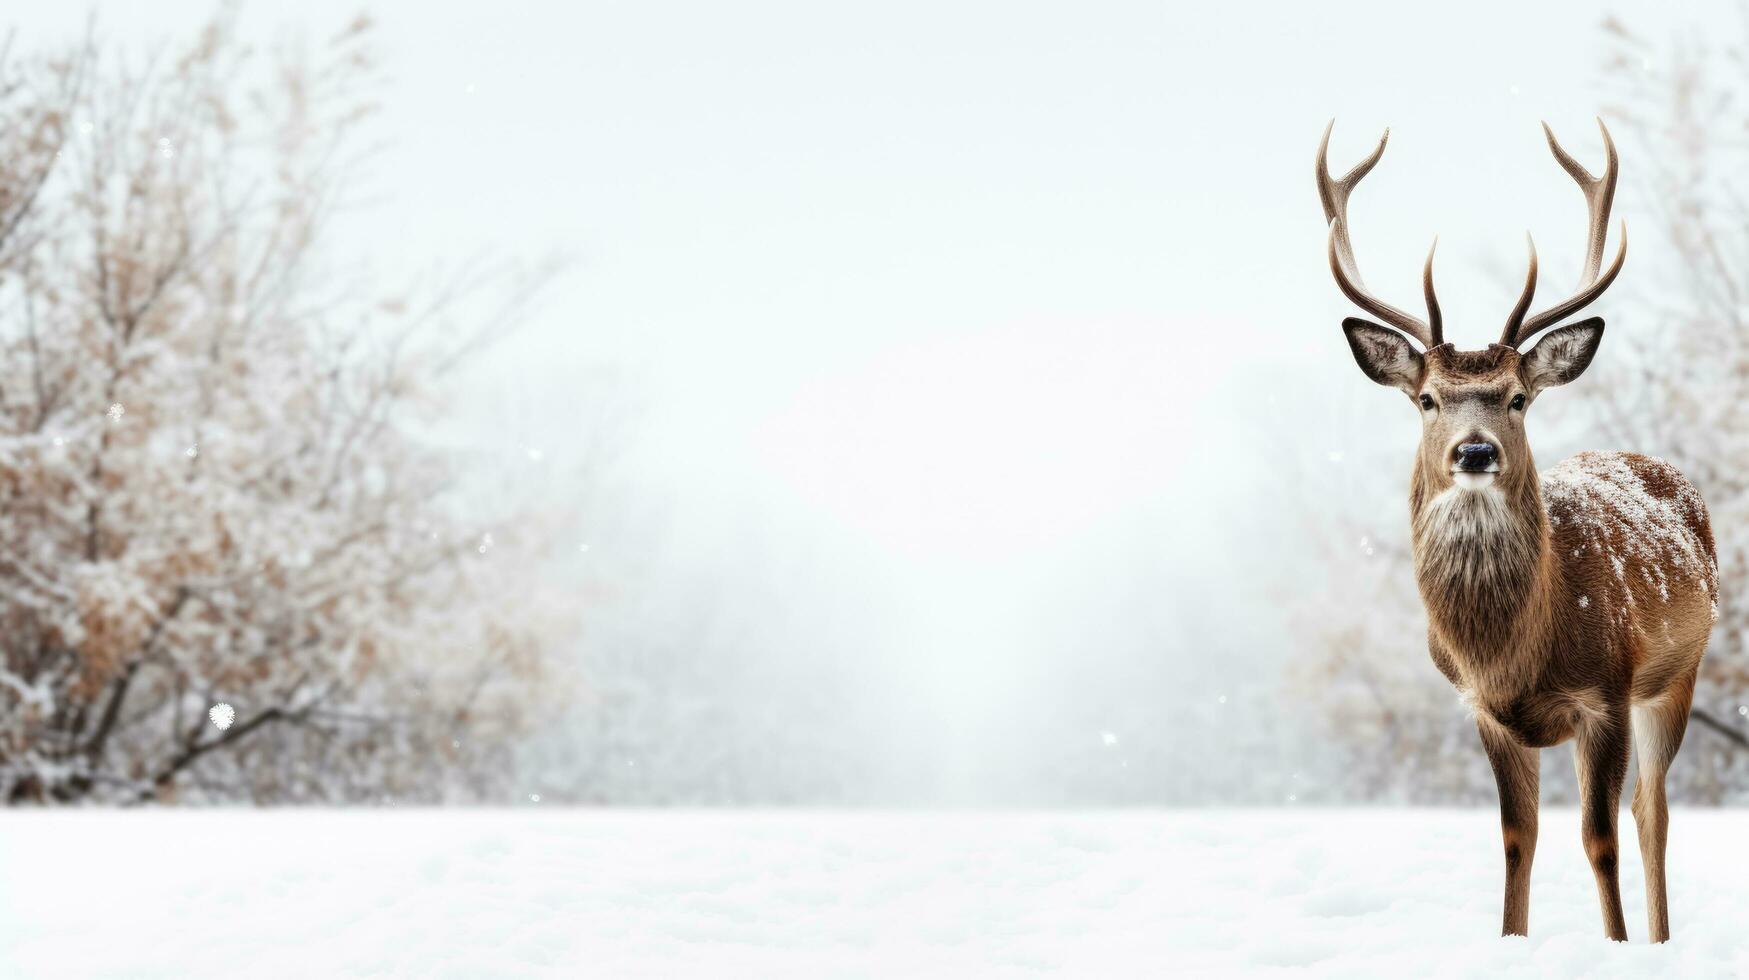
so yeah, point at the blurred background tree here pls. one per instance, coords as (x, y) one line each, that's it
(224, 476)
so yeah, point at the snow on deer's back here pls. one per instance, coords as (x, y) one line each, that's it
(1659, 581)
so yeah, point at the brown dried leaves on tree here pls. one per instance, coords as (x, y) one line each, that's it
(214, 481)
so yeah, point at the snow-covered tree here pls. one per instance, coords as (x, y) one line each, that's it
(222, 477)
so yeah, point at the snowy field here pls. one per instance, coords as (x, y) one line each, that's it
(811, 894)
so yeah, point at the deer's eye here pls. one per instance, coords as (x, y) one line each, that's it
(1518, 402)
(1426, 402)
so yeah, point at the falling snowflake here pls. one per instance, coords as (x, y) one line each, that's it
(582, 547)
(192, 451)
(222, 715)
(116, 412)
(1109, 738)
(1584, 602)
(1222, 699)
(167, 148)
(534, 797)
(1743, 709)
(485, 542)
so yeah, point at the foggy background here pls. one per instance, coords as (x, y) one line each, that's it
(947, 403)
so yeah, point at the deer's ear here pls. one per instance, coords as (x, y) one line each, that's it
(1385, 355)
(1562, 355)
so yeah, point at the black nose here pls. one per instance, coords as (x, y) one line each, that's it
(1477, 455)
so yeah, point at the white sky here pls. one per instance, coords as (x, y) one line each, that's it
(971, 304)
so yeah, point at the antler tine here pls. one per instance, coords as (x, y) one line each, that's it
(1435, 324)
(1516, 319)
(1579, 300)
(1334, 195)
(1599, 196)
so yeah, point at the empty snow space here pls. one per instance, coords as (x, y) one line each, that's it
(292, 893)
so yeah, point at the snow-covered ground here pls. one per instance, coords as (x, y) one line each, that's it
(809, 894)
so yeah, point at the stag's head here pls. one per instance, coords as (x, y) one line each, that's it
(1472, 403)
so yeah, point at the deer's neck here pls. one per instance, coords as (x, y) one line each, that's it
(1485, 566)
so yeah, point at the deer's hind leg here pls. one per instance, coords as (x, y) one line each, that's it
(1658, 728)
(1515, 775)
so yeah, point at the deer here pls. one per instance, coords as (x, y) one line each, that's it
(1572, 604)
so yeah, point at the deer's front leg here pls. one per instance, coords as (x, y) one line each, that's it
(1515, 774)
(1600, 753)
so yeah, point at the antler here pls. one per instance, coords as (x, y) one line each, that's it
(1599, 194)
(1334, 195)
